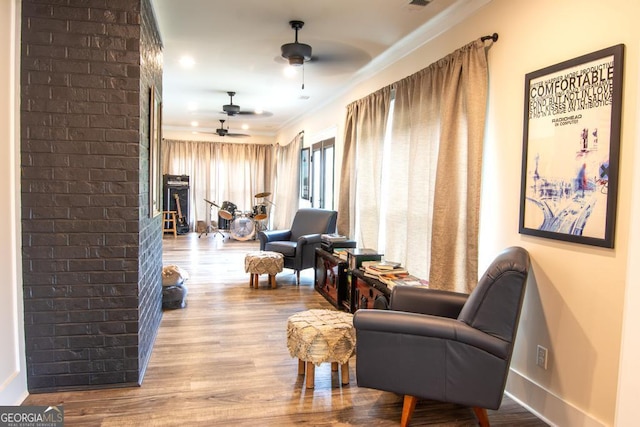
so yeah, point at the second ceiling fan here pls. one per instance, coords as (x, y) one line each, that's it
(232, 109)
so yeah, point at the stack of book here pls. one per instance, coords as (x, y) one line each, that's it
(391, 274)
(334, 237)
(341, 253)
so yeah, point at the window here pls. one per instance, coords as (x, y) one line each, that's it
(322, 174)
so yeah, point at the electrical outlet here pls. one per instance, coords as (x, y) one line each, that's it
(541, 357)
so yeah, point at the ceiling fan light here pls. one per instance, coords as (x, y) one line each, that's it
(296, 61)
(290, 71)
(231, 109)
(296, 53)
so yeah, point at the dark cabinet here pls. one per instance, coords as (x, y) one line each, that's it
(367, 292)
(346, 289)
(331, 279)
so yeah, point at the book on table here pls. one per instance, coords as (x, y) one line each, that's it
(391, 274)
(333, 237)
(341, 253)
(393, 280)
(382, 264)
(373, 268)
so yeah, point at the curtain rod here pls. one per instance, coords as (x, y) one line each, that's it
(493, 37)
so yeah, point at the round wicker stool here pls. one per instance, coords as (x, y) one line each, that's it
(263, 262)
(318, 336)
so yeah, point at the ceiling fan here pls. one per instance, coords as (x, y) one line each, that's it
(335, 57)
(296, 53)
(232, 109)
(221, 131)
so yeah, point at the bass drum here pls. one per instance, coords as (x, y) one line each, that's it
(243, 228)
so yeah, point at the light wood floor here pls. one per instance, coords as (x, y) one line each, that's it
(223, 360)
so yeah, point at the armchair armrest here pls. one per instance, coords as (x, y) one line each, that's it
(395, 322)
(267, 236)
(309, 239)
(427, 301)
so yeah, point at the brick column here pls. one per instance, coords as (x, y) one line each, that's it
(91, 254)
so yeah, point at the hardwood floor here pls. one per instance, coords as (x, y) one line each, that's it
(223, 360)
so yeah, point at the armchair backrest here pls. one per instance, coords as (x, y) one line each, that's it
(494, 305)
(313, 221)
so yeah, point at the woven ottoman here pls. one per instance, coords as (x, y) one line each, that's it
(263, 262)
(318, 336)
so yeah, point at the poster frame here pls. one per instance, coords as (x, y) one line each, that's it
(534, 202)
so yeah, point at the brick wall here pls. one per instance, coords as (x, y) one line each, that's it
(90, 250)
(150, 237)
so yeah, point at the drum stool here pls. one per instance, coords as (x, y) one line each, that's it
(318, 336)
(263, 262)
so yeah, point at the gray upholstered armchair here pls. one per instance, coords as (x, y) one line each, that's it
(443, 345)
(299, 243)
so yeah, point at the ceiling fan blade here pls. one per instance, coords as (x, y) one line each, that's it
(232, 109)
(253, 113)
(228, 134)
(247, 113)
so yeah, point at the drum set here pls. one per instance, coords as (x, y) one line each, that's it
(242, 225)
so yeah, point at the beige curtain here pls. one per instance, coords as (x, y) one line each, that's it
(219, 172)
(359, 200)
(346, 203)
(438, 130)
(287, 187)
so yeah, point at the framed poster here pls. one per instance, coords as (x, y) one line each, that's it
(304, 173)
(155, 138)
(571, 147)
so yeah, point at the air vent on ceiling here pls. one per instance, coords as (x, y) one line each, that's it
(420, 2)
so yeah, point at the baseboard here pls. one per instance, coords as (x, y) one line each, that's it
(545, 405)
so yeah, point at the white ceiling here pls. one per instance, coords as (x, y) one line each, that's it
(236, 47)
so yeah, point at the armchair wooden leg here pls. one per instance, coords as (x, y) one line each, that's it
(407, 409)
(481, 414)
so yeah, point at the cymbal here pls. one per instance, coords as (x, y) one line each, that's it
(260, 217)
(265, 194)
(225, 214)
(212, 203)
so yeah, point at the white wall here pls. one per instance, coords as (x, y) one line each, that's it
(575, 306)
(575, 300)
(629, 378)
(13, 381)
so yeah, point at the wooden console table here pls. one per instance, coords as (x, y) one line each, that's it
(345, 289)
(330, 279)
(367, 292)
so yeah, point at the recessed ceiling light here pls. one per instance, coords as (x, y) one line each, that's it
(194, 124)
(187, 61)
(192, 106)
(245, 126)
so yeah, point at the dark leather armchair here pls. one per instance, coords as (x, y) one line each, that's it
(298, 244)
(444, 345)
